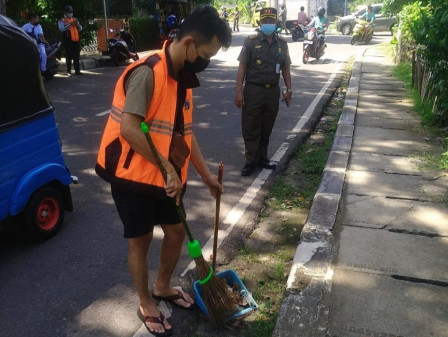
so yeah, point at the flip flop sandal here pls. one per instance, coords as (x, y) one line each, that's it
(173, 298)
(152, 319)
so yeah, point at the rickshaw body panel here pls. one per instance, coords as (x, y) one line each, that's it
(30, 157)
(32, 167)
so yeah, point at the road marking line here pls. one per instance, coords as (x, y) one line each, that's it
(238, 210)
(103, 113)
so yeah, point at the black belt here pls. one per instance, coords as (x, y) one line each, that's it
(267, 85)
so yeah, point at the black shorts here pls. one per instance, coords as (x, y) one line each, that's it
(140, 213)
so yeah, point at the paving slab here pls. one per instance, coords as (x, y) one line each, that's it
(367, 78)
(373, 97)
(383, 87)
(373, 144)
(394, 214)
(371, 133)
(362, 161)
(374, 68)
(383, 252)
(364, 119)
(381, 94)
(386, 77)
(365, 304)
(401, 186)
(405, 113)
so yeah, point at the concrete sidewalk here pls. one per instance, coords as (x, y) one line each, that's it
(372, 260)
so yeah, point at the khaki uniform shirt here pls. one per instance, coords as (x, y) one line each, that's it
(264, 60)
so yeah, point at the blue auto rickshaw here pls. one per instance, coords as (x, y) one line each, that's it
(34, 181)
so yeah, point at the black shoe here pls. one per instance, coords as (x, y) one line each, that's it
(79, 73)
(269, 165)
(247, 170)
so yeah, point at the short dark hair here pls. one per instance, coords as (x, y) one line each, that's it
(203, 24)
(32, 16)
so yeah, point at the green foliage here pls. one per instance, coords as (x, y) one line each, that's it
(424, 25)
(145, 32)
(243, 7)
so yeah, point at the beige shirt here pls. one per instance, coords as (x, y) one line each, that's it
(139, 89)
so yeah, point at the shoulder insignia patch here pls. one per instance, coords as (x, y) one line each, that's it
(152, 60)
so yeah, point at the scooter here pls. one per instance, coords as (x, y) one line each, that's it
(363, 32)
(314, 45)
(297, 31)
(122, 47)
(52, 63)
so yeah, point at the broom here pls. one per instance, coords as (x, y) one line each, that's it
(220, 301)
(217, 208)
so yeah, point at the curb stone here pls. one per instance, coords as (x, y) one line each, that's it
(304, 307)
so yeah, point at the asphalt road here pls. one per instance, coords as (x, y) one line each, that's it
(77, 284)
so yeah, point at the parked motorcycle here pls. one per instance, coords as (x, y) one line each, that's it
(297, 31)
(363, 32)
(314, 45)
(52, 62)
(122, 47)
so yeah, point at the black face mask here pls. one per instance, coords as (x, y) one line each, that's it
(36, 24)
(198, 65)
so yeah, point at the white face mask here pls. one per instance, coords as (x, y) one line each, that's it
(69, 15)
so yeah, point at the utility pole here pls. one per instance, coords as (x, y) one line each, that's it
(105, 22)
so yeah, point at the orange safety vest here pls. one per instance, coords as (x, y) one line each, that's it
(117, 162)
(74, 33)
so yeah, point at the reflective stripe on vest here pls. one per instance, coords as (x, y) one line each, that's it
(74, 34)
(117, 162)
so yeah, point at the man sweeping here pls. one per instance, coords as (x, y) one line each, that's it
(158, 90)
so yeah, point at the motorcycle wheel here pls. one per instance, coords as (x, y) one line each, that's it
(354, 39)
(306, 56)
(295, 36)
(48, 75)
(118, 58)
(369, 38)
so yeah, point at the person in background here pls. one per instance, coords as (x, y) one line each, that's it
(236, 20)
(161, 20)
(34, 29)
(369, 16)
(302, 17)
(225, 15)
(282, 17)
(70, 28)
(320, 23)
(263, 57)
(171, 21)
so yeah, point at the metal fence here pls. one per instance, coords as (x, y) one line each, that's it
(91, 48)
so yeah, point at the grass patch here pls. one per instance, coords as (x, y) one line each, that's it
(403, 71)
(299, 190)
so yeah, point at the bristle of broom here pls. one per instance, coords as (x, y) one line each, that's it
(220, 301)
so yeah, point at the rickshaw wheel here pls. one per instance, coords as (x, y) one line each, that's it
(44, 214)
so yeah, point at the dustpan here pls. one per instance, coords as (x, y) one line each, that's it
(247, 303)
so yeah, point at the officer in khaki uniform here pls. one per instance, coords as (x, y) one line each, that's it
(262, 58)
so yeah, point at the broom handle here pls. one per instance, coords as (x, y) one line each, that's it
(218, 204)
(164, 174)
